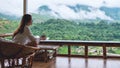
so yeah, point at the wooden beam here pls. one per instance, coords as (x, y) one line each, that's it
(24, 7)
(104, 52)
(69, 50)
(86, 51)
(6, 35)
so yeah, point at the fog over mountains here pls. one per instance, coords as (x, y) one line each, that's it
(65, 9)
(80, 12)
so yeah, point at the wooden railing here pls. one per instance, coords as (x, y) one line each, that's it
(6, 35)
(86, 44)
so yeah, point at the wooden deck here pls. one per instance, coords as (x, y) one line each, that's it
(65, 62)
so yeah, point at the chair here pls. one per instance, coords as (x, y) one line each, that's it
(16, 56)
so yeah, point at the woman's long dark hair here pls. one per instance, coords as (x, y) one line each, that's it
(25, 19)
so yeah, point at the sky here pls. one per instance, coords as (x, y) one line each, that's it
(16, 6)
(95, 3)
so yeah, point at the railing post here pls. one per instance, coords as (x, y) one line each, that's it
(104, 51)
(69, 50)
(86, 51)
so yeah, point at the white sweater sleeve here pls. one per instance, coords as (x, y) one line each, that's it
(29, 34)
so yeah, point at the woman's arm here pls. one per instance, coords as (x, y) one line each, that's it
(31, 37)
(33, 43)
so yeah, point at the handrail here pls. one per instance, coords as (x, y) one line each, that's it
(6, 35)
(78, 42)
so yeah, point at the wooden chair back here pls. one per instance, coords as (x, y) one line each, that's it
(11, 51)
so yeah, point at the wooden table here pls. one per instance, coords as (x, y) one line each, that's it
(46, 48)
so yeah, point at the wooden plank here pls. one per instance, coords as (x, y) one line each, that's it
(78, 41)
(81, 43)
(6, 35)
(104, 52)
(69, 51)
(49, 47)
(113, 57)
(86, 51)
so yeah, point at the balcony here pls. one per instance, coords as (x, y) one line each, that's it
(76, 60)
(72, 53)
(70, 60)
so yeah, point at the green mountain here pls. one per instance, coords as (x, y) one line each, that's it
(112, 12)
(8, 17)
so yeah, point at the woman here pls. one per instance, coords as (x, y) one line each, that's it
(23, 34)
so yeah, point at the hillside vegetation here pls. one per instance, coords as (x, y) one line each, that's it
(67, 30)
(8, 26)
(59, 29)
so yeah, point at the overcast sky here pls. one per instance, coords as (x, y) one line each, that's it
(15, 6)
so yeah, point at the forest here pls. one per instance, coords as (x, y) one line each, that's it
(69, 30)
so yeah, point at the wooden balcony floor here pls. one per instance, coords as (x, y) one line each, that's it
(65, 62)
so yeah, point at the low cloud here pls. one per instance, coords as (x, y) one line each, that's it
(68, 13)
(16, 6)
